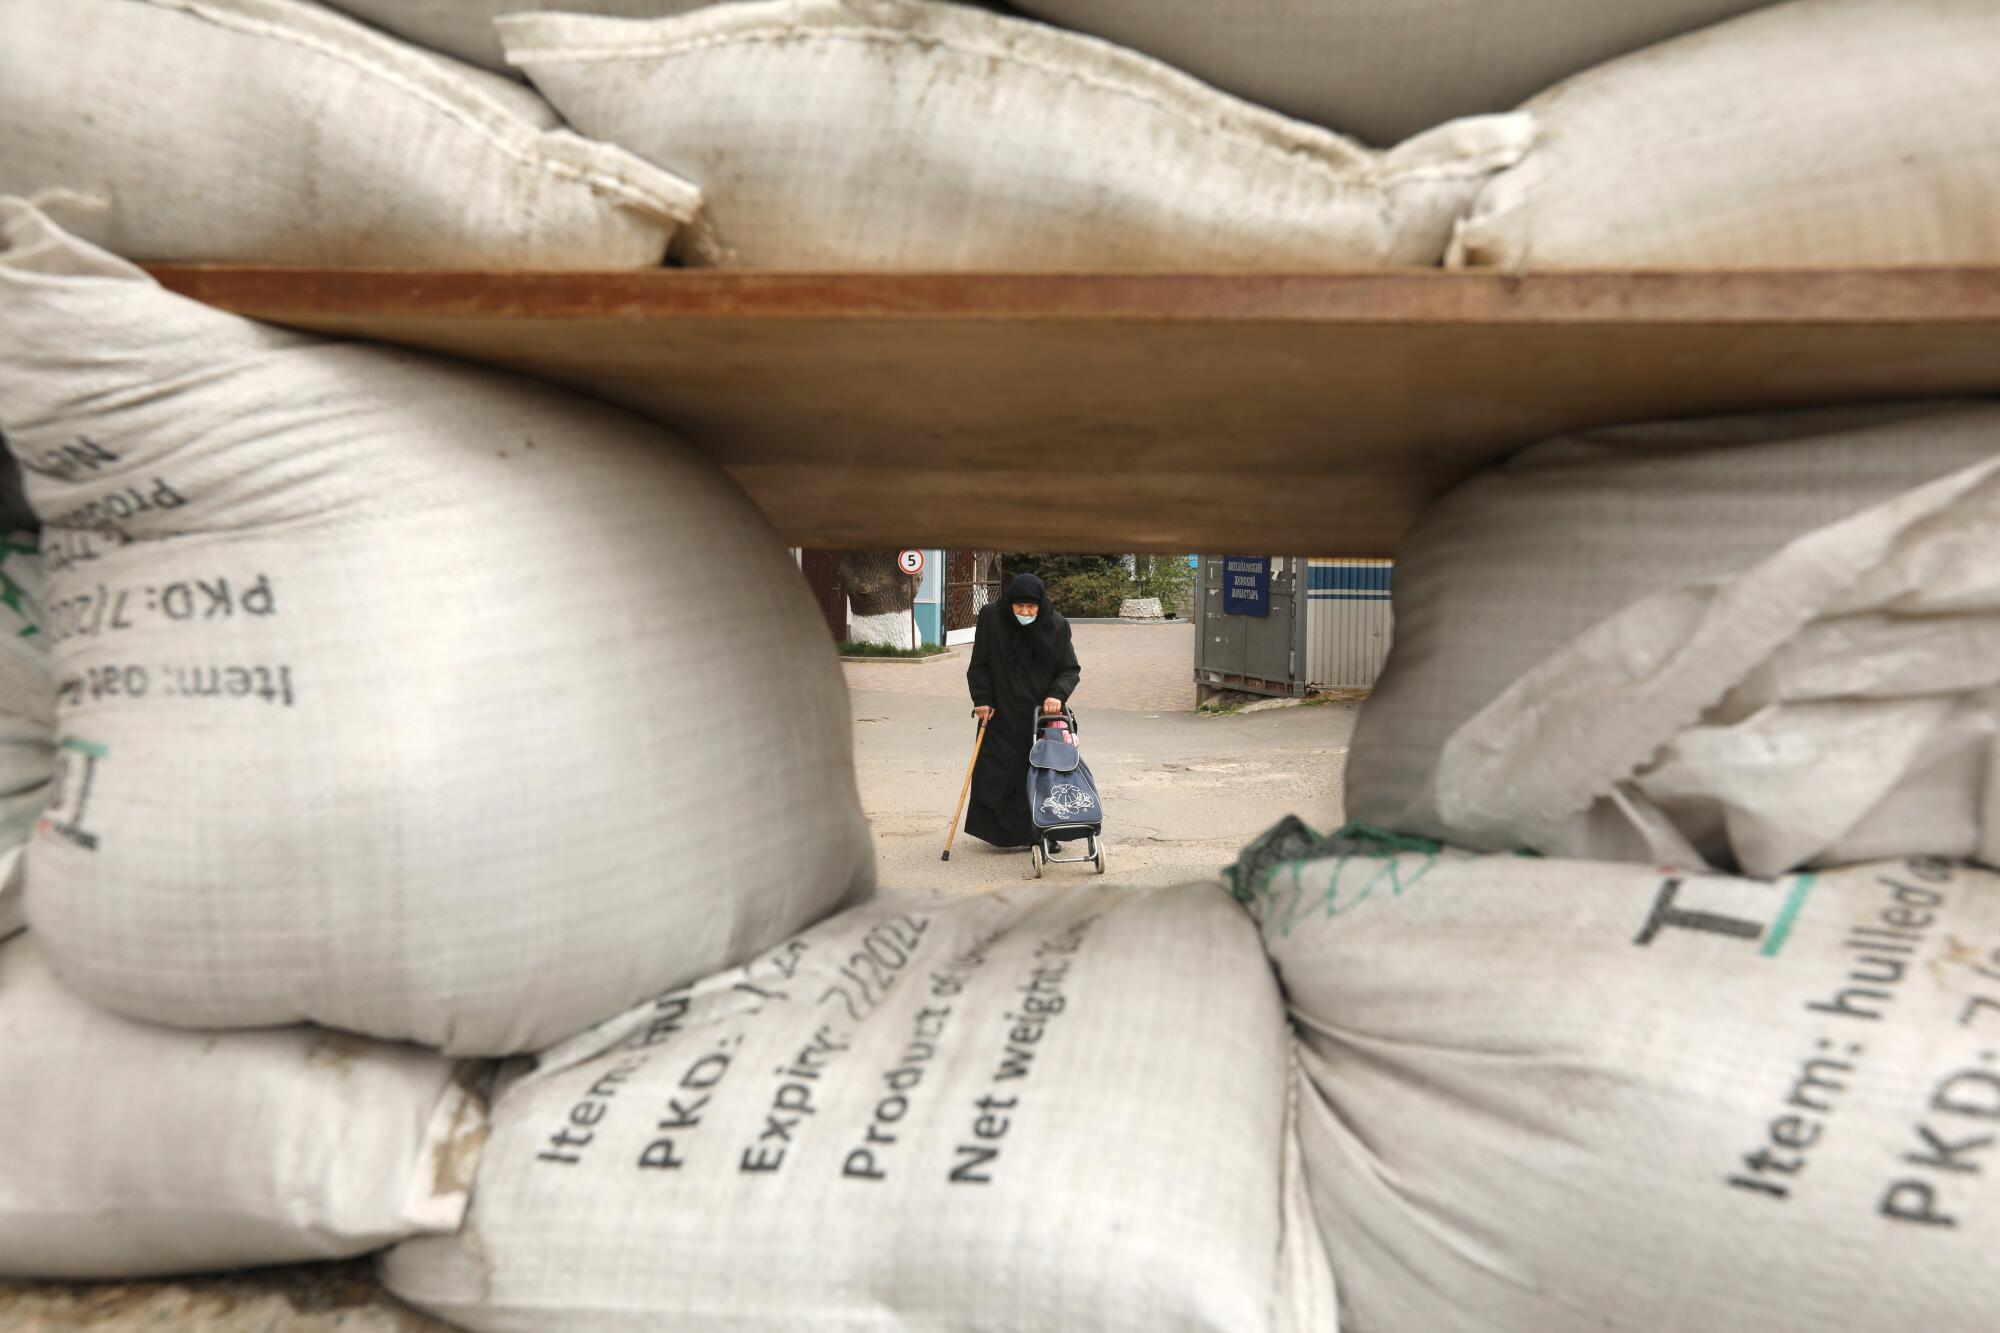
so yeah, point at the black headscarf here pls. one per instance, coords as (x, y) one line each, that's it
(1041, 635)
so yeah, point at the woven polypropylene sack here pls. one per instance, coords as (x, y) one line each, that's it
(27, 708)
(1760, 641)
(464, 28)
(1571, 1096)
(892, 134)
(1385, 69)
(273, 131)
(133, 1149)
(1063, 1109)
(396, 695)
(1819, 132)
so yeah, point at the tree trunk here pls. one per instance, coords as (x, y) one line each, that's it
(880, 595)
(875, 586)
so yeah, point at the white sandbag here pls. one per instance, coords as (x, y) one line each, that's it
(13, 913)
(464, 28)
(1567, 1096)
(1385, 69)
(27, 716)
(132, 1149)
(397, 695)
(27, 697)
(1760, 641)
(1819, 132)
(1065, 1109)
(274, 131)
(892, 134)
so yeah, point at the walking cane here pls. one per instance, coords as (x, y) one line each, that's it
(953, 831)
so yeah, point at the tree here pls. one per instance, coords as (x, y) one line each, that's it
(880, 595)
(1053, 568)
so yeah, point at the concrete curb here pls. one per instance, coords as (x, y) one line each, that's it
(1116, 620)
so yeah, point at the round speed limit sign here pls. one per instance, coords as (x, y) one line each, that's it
(910, 562)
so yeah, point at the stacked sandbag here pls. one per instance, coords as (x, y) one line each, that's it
(275, 131)
(1061, 1110)
(464, 28)
(13, 916)
(27, 709)
(1818, 132)
(1756, 642)
(395, 695)
(27, 691)
(892, 134)
(1385, 69)
(1565, 1096)
(133, 1149)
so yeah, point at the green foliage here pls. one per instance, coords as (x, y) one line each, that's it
(1097, 585)
(1168, 578)
(850, 648)
(1091, 593)
(1054, 567)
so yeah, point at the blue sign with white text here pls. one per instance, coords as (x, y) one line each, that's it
(1246, 585)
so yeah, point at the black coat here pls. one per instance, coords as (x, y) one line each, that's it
(1014, 668)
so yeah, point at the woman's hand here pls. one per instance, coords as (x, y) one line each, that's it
(984, 713)
(1052, 705)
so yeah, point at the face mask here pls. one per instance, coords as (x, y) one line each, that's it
(1025, 620)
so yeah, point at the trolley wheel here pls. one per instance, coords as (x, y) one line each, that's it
(1035, 855)
(1100, 855)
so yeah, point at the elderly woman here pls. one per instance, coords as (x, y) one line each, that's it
(1022, 661)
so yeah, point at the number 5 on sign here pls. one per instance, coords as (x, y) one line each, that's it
(910, 562)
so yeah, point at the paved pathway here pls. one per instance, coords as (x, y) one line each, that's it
(1134, 668)
(1182, 792)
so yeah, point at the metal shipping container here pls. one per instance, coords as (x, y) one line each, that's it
(1349, 619)
(1256, 654)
